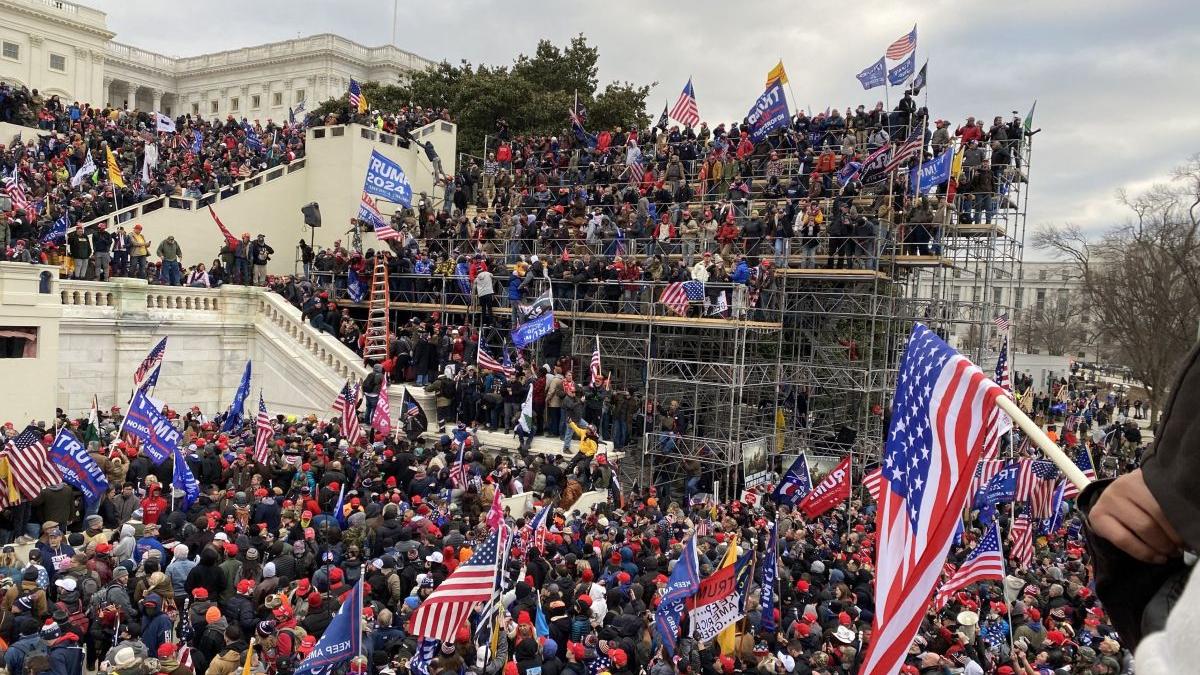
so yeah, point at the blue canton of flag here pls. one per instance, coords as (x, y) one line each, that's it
(694, 290)
(197, 141)
(796, 483)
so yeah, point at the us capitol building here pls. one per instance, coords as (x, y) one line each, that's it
(67, 49)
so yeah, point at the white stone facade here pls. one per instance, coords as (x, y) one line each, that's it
(66, 49)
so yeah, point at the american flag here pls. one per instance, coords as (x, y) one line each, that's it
(903, 45)
(945, 418)
(459, 473)
(27, 461)
(1002, 376)
(12, 185)
(1083, 460)
(1021, 536)
(633, 160)
(1002, 324)
(488, 362)
(1035, 484)
(985, 562)
(985, 471)
(355, 94)
(346, 403)
(413, 412)
(913, 147)
(369, 212)
(146, 375)
(533, 534)
(678, 294)
(263, 432)
(597, 371)
(872, 481)
(685, 109)
(450, 603)
(381, 417)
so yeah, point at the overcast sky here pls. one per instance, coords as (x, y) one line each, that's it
(1115, 80)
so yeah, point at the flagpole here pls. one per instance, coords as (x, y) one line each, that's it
(1007, 605)
(1038, 437)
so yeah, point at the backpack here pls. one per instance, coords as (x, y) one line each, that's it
(76, 616)
(107, 614)
(37, 660)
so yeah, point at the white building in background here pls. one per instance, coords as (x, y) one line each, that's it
(1045, 295)
(63, 48)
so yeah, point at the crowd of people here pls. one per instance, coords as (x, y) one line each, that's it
(137, 584)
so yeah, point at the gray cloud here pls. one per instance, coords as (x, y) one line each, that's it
(1110, 78)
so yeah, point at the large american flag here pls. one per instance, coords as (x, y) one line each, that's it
(146, 375)
(903, 45)
(985, 562)
(1035, 484)
(31, 469)
(685, 109)
(1021, 536)
(355, 95)
(1002, 375)
(596, 370)
(12, 185)
(944, 419)
(263, 432)
(450, 603)
(913, 147)
(678, 294)
(486, 361)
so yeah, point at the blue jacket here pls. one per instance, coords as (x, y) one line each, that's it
(741, 273)
(14, 658)
(514, 288)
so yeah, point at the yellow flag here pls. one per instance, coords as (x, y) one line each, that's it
(727, 638)
(114, 171)
(956, 164)
(249, 655)
(777, 73)
(11, 495)
(362, 104)
(780, 425)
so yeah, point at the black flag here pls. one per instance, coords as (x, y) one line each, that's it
(415, 420)
(919, 81)
(662, 119)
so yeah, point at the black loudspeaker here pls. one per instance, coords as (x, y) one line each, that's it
(312, 214)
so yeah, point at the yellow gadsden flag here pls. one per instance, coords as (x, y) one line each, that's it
(777, 73)
(728, 635)
(114, 171)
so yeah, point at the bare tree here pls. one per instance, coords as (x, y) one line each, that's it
(1056, 329)
(1142, 278)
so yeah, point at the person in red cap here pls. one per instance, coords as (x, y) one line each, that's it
(240, 609)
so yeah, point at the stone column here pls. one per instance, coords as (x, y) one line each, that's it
(156, 99)
(106, 95)
(131, 95)
(83, 73)
(97, 79)
(37, 60)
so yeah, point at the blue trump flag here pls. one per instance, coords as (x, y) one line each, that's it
(354, 286)
(386, 180)
(183, 478)
(933, 172)
(197, 141)
(77, 466)
(681, 585)
(533, 330)
(58, 231)
(341, 640)
(1000, 489)
(144, 420)
(903, 70)
(796, 483)
(874, 75)
(252, 138)
(770, 573)
(769, 113)
(234, 419)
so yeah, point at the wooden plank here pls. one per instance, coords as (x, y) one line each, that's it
(660, 319)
